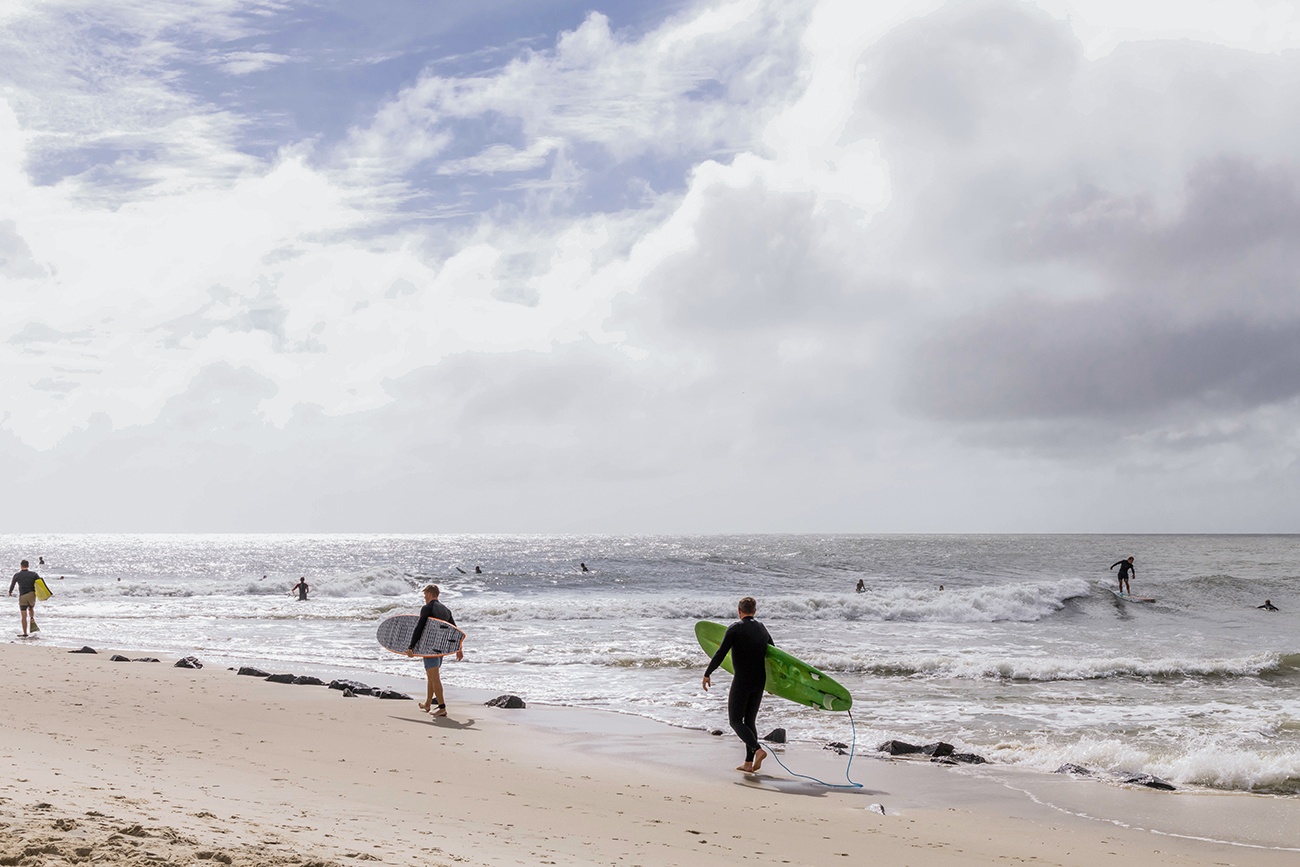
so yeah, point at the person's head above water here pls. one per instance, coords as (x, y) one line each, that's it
(747, 607)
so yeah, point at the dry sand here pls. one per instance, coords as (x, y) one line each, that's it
(147, 764)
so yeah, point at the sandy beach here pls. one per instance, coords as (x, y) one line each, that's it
(146, 763)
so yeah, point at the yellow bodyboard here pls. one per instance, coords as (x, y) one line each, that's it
(42, 592)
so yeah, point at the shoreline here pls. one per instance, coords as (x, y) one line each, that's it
(154, 747)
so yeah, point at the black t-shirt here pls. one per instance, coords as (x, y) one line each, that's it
(434, 609)
(26, 581)
(747, 640)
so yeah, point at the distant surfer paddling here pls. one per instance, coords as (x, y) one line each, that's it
(1125, 569)
(1268, 605)
(747, 641)
(25, 580)
(862, 586)
(302, 589)
(432, 664)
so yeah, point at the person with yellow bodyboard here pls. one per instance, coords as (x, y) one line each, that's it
(30, 587)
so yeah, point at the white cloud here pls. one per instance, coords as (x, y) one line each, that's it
(700, 263)
(248, 62)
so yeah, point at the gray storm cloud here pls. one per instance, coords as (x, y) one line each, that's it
(1104, 245)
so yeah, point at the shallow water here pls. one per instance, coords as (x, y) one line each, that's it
(1024, 656)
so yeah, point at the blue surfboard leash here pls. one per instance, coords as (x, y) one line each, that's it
(852, 751)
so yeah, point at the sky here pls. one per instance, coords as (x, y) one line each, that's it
(730, 266)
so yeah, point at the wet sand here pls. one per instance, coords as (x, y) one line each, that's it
(139, 763)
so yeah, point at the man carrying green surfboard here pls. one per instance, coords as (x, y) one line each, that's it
(747, 641)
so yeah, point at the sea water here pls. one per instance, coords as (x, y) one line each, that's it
(1012, 647)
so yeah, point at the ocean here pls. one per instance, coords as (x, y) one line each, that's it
(1012, 647)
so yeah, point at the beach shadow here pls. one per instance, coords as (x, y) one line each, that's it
(442, 722)
(807, 788)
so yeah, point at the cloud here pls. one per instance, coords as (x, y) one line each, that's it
(682, 88)
(738, 265)
(248, 62)
(15, 256)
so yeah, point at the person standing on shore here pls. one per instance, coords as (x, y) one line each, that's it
(747, 641)
(1125, 567)
(25, 580)
(302, 588)
(432, 664)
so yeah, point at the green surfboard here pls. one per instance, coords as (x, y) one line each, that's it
(787, 676)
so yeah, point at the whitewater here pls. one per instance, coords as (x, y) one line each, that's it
(1012, 647)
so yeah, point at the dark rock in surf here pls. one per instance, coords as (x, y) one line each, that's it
(938, 750)
(1073, 770)
(968, 759)
(507, 701)
(776, 736)
(281, 678)
(1150, 782)
(394, 694)
(840, 749)
(716, 733)
(146, 659)
(84, 650)
(116, 657)
(898, 748)
(355, 686)
(188, 662)
(308, 680)
(249, 671)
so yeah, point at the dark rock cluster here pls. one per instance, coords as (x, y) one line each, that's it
(189, 662)
(940, 752)
(1147, 780)
(507, 701)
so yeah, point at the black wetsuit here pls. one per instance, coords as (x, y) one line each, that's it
(302, 591)
(747, 640)
(434, 609)
(1125, 567)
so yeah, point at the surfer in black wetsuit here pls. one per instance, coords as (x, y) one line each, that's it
(1268, 605)
(432, 664)
(747, 641)
(1125, 567)
(302, 588)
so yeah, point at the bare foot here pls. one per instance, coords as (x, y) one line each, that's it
(442, 711)
(758, 758)
(424, 705)
(747, 767)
